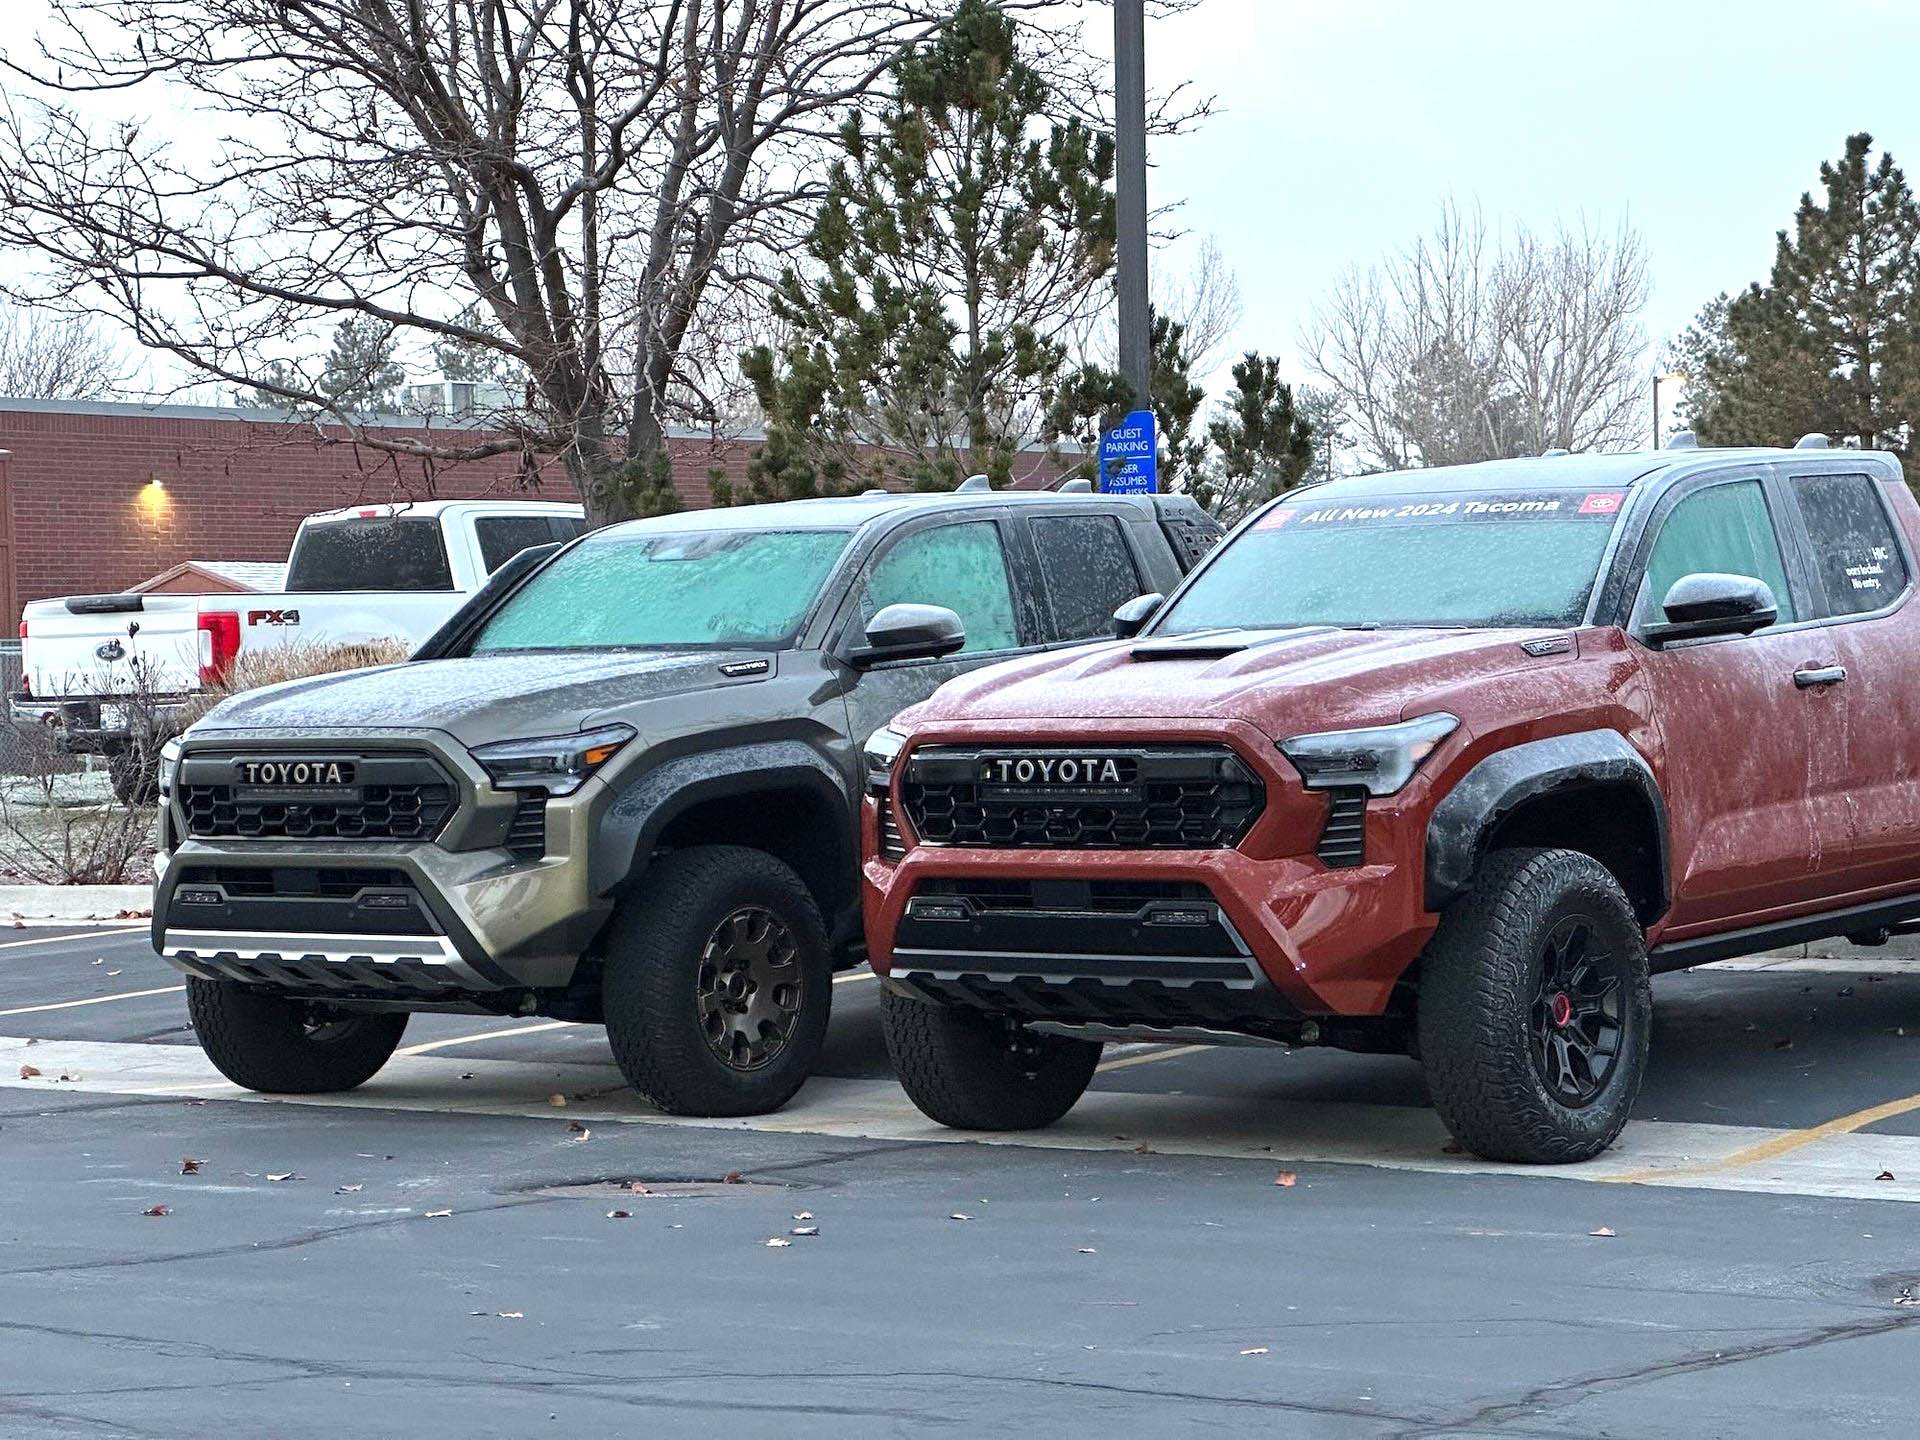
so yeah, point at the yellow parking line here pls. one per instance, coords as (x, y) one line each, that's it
(85, 935)
(433, 1045)
(1782, 1144)
(1170, 1054)
(96, 1000)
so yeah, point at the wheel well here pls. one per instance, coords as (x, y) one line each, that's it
(1612, 823)
(794, 824)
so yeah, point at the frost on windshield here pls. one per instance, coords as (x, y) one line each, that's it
(713, 588)
(1401, 560)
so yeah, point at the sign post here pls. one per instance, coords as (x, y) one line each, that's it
(1130, 457)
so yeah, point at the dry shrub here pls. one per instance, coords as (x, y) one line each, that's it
(272, 664)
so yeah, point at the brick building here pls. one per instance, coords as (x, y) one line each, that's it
(98, 496)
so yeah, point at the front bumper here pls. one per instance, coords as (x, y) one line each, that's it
(1308, 941)
(458, 918)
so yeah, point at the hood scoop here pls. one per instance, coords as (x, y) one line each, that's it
(1217, 644)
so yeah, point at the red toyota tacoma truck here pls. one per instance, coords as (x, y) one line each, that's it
(1443, 763)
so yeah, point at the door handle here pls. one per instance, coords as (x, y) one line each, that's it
(1819, 675)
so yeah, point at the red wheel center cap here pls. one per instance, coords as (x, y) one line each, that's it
(1561, 1008)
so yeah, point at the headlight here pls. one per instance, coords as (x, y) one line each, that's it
(882, 749)
(557, 764)
(1379, 759)
(169, 766)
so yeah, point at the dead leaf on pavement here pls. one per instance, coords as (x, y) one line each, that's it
(1605, 1232)
(1452, 1149)
(276, 1178)
(28, 1072)
(511, 1314)
(438, 1214)
(732, 1177)
(804, 1230)
(189, 1167)
(776, 1243)
(803, 1214)
(1086, 1250)
(958, 1216)
(559, 1102)
(1287, 1178)
(576, 1127)
(1884, 1175)
(1255, 1350)
(156, 1211)
(619, 1214)
(349, 1189)
(1783, 1044)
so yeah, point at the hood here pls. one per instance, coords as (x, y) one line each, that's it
(1283, 682)
(481, 698)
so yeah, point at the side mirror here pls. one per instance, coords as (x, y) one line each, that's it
(1131, 618)
(909, 632)
(1711, 604)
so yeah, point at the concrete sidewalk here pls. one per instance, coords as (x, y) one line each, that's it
(75, 902)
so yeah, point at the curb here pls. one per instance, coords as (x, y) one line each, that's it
(74, 902)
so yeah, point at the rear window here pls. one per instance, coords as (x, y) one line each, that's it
(1853, 542)
(1089, 571)
(377, 553)
(502, 537)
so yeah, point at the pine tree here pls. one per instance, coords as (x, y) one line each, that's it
(1265, 444)
(1829, 343)
(1093, 399)
(960, 239)
(360, 372)
(462, 360)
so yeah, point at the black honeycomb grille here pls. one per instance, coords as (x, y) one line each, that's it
(1165, 798)
(378, 812)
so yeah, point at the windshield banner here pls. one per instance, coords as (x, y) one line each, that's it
(1599, 505)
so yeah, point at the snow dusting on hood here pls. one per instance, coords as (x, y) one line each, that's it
(480, 698)
(1284, 682)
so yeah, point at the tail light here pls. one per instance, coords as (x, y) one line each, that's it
(26, 675)
(219, 643)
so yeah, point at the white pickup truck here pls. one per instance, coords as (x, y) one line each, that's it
(98, 668)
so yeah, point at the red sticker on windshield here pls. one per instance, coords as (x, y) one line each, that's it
(1274, 519)
(1601, 502)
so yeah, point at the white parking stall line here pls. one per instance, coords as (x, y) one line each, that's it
(89, 937)
(430, 1046)
(95, 1000)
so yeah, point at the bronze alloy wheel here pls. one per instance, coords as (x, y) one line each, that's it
(748, 988)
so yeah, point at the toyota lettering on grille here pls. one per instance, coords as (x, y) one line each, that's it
(271, 774)
(1051, 770)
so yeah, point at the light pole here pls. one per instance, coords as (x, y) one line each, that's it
(1676, 377)
(1130, 194)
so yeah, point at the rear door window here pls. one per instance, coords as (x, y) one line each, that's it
(1725, 529)
(1088, 571)
(374, 553)
(502, 537)
(961, 566)
(1854, 548)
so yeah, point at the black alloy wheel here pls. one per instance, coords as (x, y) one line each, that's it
(1577, 1017)
(748, 988)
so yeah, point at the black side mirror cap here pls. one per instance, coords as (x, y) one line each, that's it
(909, 632)
(1709, 603)
(1131, 618)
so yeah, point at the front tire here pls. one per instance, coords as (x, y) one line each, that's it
(279, 1046)
(1535, 1009)
(973, 1071)
(718, 983)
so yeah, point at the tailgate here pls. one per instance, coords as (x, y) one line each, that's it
(112, 645)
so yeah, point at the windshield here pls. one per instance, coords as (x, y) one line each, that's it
(625, 589)
(1496, 559)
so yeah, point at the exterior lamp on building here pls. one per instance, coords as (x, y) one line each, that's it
(153, 501)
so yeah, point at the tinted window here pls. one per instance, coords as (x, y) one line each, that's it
(962, 567)
(382, 553)
(1725, 530)
(627, 589)
(1853, 542)
(1495, 558)
(504, 536)
(1089, 571)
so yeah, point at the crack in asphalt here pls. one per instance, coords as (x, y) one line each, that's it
(1562, 1393)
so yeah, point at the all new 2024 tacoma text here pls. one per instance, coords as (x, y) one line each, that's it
(622, 784)
(1444, 762)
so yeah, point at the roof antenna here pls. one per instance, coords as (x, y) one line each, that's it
(1683, 440)
(1080, 486)
(1557, 450)
(971, 484)
(1813, 440)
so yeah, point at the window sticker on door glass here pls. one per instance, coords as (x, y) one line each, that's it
(1592, 506)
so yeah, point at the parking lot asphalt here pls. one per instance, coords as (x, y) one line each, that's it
(1734, 1266)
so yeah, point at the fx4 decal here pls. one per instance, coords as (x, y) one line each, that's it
(273, 617)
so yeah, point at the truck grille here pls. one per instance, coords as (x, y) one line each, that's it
(379, 812)
(1158, 797)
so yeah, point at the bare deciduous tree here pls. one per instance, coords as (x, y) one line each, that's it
(611, 180)
(1463, 348)
(56, 357)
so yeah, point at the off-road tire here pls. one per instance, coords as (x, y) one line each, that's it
(1478, 984)
(650, 987)
(269, 1043)
(135, 776)
(973, 1071)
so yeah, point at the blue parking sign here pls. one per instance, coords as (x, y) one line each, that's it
(1130, 457)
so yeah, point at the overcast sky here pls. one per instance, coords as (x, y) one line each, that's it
(1342, 127)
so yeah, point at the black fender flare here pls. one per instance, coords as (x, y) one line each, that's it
(1458, 828)
(632, 825)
